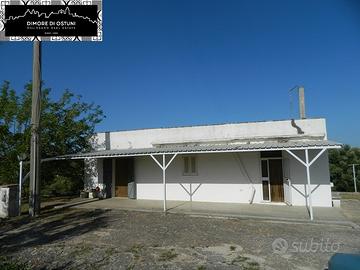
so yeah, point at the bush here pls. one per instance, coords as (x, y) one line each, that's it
(341, 173)
(62, 186)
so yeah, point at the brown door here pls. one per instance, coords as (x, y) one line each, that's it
(124, 173)
(276, 180)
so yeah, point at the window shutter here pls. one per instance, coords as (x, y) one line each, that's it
(186, 165)
(193, 165)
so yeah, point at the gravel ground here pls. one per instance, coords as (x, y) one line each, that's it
(100, 239)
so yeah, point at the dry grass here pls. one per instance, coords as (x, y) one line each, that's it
(167, 255)
(350, 195)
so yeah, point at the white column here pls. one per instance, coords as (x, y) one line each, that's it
(308, 183)
(307, 165)
(20, 184)
(191, 194)
(164, 180)
(164, 166)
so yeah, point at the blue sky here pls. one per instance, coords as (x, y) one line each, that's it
(187, 62)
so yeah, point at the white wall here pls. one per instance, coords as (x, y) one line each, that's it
(320, 179)
(223, 180)
(254, 132)
(220, 176)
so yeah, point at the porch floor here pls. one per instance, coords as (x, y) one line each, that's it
(254, 211)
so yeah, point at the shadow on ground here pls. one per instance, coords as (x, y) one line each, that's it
(53, 226)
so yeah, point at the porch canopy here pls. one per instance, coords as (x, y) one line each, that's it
(172, 151)
(201, 149)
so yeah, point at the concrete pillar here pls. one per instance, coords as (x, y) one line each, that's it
(302, 102)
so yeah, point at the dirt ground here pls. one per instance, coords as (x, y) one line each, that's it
(104, 239)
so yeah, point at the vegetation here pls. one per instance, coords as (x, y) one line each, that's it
(350, 195)
(168, 255)
(239, 259)
(245, 263)
(67, 126)
(9, 264)
(341, 170)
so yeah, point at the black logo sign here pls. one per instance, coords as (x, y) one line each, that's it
(51, 20)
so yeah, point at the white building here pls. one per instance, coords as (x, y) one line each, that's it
(255, 162)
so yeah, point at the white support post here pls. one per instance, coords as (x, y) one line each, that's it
(191, 194)
(308, 164)
(171, 160)
(157, 162)
(295, 156)
(309, 183)
(20, 184)
(317, 156)
(164, 180)
(163, 167)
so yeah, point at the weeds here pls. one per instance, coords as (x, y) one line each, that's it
(167, 255)
(245, 263)
(252, 266)
(239, 259)
(9, 264)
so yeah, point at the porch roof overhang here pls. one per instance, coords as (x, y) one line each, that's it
(288, 146)
(198, 149)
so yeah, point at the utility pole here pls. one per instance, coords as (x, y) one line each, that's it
(354, 174)
(34, 197)
(302, 102)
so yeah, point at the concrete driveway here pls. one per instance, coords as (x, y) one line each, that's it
(252, 211)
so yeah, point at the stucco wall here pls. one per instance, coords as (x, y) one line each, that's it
(220, 176)
(320, 179)
(253, 131)
(223, 180)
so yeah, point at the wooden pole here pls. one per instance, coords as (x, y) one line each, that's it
(20, 183)
(34, 196)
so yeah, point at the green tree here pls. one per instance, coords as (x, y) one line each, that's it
(67, 126)
(340, 170)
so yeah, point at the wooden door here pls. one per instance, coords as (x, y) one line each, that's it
(124, 173)
(276, 180)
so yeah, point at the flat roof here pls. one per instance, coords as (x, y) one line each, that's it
(217, 124)
(198, 149)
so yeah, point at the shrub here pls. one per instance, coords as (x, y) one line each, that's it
(62, 186)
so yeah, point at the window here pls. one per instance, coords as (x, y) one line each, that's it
(265, 179)
(190, 166)
(264, 168)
